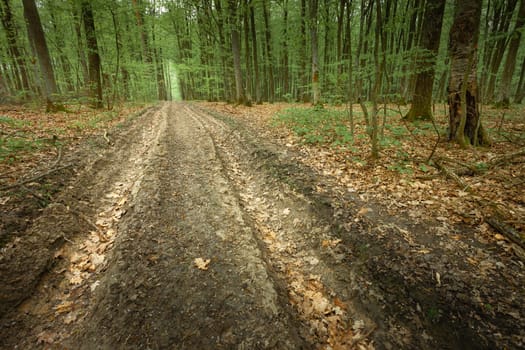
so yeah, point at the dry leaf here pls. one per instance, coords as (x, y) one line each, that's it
(202, 264)
(286, 211)
(363, 211)
(46, 338)
(66, 306)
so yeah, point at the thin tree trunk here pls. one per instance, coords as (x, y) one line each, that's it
(236, 52)
(258, 97)
(303, 95)
(520, 89)
(269, 56)
(19, 66)
(95, 82)
(316, 91)
(247, 54)
(510, 61)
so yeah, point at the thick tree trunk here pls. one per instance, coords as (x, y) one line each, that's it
(316, 91)
(465, 124)
(431, 32)
(510, 61)
(95, 82)
(38, 40)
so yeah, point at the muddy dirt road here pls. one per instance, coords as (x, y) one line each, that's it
(190, 231)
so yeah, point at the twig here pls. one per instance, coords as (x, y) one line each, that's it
(106, 137)
(85, 218)
(23, 182)
(505, 230)
(33, 193)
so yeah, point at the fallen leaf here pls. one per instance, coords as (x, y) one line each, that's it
(202, 264)
(94, 286)
(286, 211)
(66, 306)
(363, 211)
(70, 318)
(46, 338)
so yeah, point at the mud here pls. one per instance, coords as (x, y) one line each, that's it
(193, 231)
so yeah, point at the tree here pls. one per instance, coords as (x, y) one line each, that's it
(21, 78)
(510, 61)
(465, 124)
(430, 35)
(316, 91)
(95, 80)
(39, 44)
(236, 52)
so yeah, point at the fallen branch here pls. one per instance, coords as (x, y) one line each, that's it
(452, 175)
(505, 158)
(506, 230)
(34, 178)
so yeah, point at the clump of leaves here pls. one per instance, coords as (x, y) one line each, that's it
(316, 125)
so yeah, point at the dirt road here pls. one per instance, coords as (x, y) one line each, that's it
(191, 231)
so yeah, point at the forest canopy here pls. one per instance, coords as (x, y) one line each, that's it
(251, 51)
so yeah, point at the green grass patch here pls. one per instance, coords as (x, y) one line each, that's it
(12, 145)
(14, 123)
(316, 125)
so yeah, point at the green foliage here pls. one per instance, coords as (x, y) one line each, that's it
(12, 122)
(11, 145)
(316, 125)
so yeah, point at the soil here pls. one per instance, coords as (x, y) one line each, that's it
(197, 230)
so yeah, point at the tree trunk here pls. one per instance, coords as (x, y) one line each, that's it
(303, 94)
(316, 91)
(464, 123)
(520, 89)
(21, 79)
(431, 32)
(506, 11)
(258, 97)
(510, 61)
(236, 52)
(38, 40)
(269, 56)
(246, 24)
(95, 82)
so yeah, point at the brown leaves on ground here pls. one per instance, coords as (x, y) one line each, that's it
(401, 179)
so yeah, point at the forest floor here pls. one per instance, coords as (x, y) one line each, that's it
(209, 226)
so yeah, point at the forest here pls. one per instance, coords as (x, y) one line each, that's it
(262, 174)
(251, 51)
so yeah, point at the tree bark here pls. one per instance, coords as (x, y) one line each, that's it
(269, 62)
(303, 94)
(258, 97)
(431, 32)
(236, 52)
(499, 50)
(38, 40)
(464, 123)
(510, 61)
(21, 79)
(95, 82)
(520, 89)
(316, 91)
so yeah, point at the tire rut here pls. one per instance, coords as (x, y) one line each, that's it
(153, 295)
